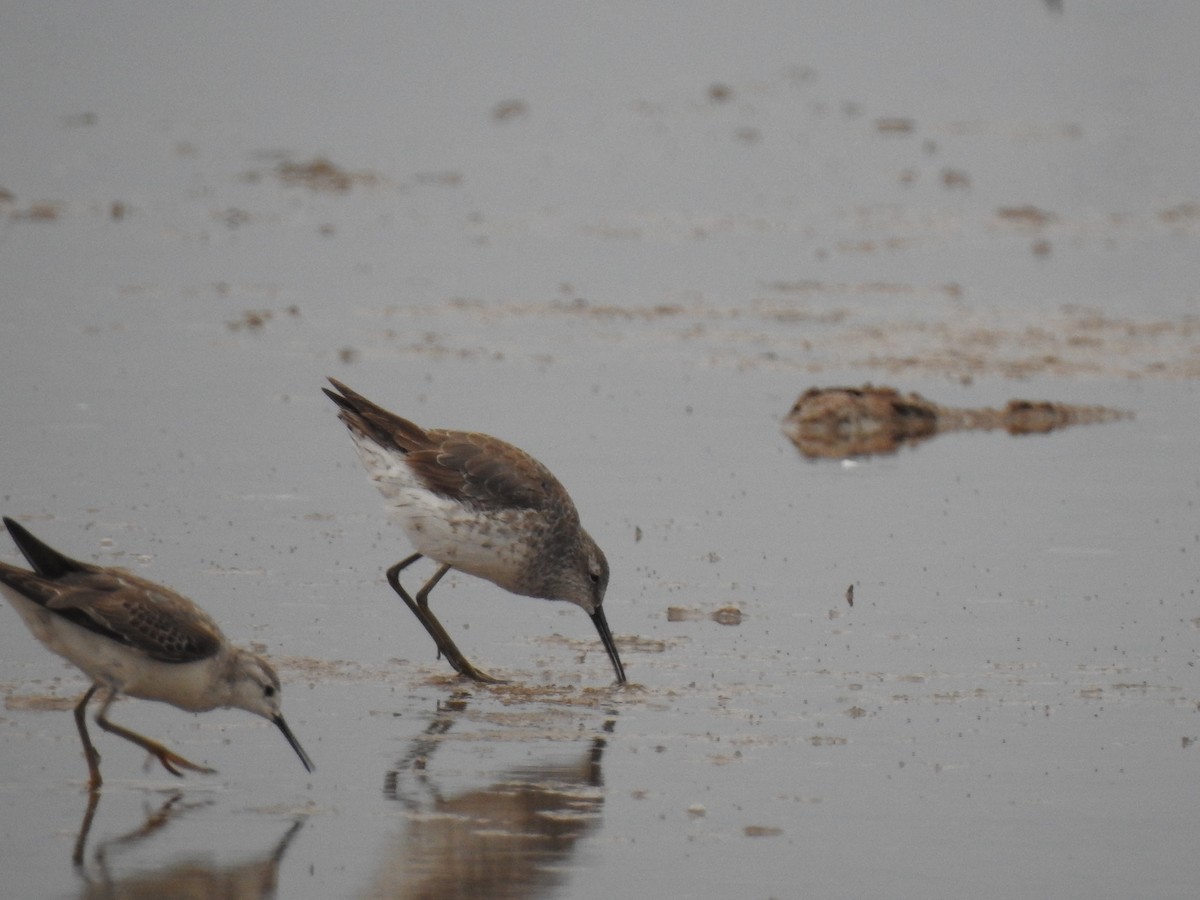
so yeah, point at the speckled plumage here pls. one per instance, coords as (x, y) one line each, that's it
(475, 503)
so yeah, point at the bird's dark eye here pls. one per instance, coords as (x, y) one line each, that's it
(269, 691)
(595, 576)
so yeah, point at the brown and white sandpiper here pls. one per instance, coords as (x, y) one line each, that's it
(472, 502)
(132, 636)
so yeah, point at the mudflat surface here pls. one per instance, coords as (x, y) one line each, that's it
(627, 241)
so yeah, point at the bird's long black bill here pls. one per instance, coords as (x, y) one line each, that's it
(291, 739)
(609, 644)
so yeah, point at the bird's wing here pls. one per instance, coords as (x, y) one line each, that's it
(138, 613)
(488, 473)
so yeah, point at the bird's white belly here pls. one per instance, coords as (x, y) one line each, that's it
(113, 664)
(98, 658)
(488, 547)
(494, 546)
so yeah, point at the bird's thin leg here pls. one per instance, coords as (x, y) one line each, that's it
(393, 577)
(169, 759)
(85, 828)
(420, 608)
(89, 752)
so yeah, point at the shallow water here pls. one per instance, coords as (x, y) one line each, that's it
(625, 241)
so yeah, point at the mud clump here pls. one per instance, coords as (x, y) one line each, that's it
(836, 422)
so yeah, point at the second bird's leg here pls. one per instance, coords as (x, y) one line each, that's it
(420, 608)
(168, 758)
(90, 753)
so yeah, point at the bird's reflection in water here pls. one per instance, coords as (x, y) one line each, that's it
(514, 838)
(194, 876)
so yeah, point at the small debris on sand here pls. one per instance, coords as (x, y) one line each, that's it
(320, 174)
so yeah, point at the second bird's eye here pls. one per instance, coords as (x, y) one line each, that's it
(269, 691)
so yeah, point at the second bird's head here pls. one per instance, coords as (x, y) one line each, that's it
(254, 686)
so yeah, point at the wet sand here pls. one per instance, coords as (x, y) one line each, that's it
(627, 243)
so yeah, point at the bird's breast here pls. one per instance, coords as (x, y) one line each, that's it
(494, 545)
